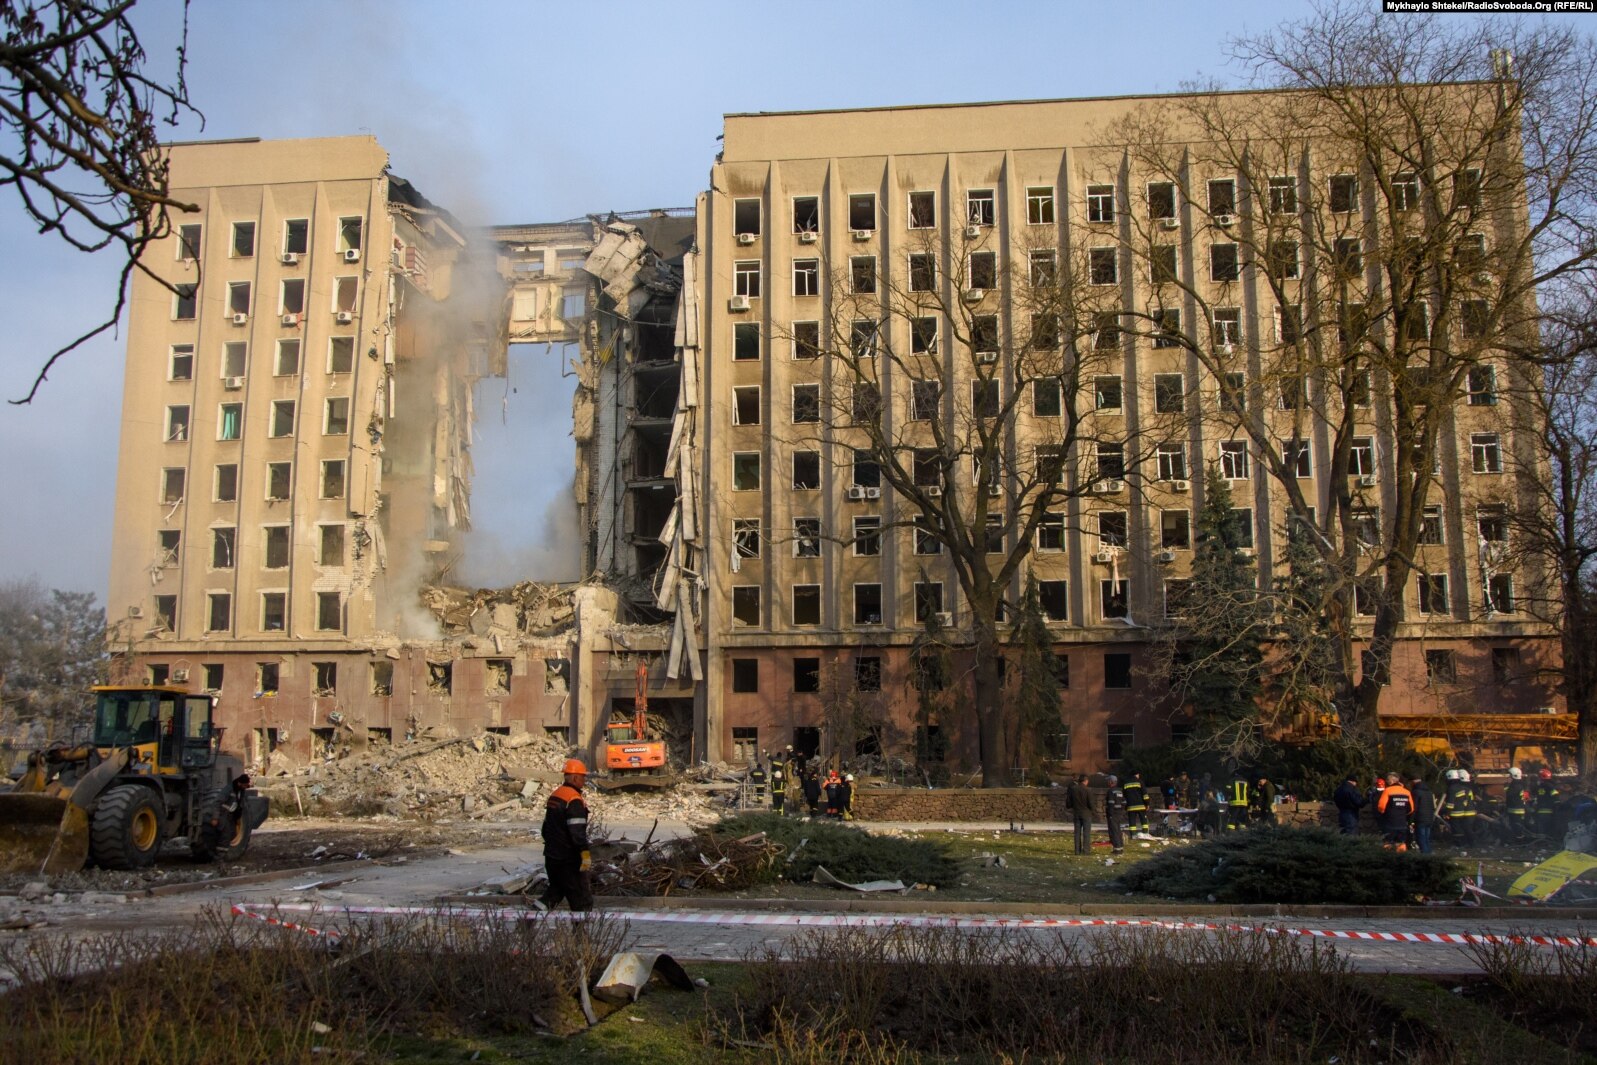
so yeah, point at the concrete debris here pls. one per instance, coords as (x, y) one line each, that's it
(628, 973)
(525, 609)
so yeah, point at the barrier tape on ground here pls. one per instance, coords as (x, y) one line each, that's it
(885, 920)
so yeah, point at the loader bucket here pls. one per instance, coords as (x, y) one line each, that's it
(42, 835)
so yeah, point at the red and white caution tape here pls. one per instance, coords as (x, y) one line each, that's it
(887, 920)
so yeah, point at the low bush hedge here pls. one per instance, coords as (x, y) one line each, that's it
(1296, 865)
(850, 854)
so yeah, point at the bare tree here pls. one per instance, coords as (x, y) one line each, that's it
(80, 116)
(1392, 214)
(52, 648)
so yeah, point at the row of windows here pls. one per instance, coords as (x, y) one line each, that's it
(330, 541)
(497, 676)
(230, 419)
(291, 300)
(272, 616)
(1282, 196)
(286, 362)
(296, 238)
(1110, 466)
(1431, 597)
(279, 482)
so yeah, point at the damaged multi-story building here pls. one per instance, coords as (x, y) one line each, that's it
(296, 465)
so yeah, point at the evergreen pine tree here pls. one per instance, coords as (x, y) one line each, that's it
(1036, 697)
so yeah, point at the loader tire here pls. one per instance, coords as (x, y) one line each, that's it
(126, 829)
(219, 835)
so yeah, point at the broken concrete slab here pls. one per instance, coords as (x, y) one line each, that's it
(866, 887)
(628, 973)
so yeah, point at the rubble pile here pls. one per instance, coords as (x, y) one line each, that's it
(486, 777)
(524, 609)
(704, 860)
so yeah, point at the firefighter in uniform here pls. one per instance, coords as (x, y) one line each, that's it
(757, 782)
(1514, 803)
(1136, 803)
(565, 842)
(1459, 802)
(1236, 801)
(778, 783)
(1546, 801)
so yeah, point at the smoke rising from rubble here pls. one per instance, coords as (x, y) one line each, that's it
(551, 551)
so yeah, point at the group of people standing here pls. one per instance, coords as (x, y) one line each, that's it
(1408, 813)
(1132, 806)
(792, 780)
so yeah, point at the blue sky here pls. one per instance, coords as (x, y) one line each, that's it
(517, 112)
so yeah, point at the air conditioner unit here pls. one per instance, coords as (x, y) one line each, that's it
(873, 493)
(986, 358)
(1180, 486)
(135, 611)
(1109, 486)
(856, 492)
(1105, 557)
(745, 238)
(934, 491)
(808, 236)
(1547, 709)
(1170, 223)
(291, 319)
(290, 258)
(863, 234)
(180, 676)
(1167, 555)
(973, 231)
(945, 617)
(1224, 220)
(232, 384)
(738, 303)
(1482, 278)
(992, 490)
(975, 295)
(352, 255)
(241, 319)
(1367, 480)
(344, 317)
(873, 619)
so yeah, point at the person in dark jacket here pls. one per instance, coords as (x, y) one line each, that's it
(1236, 802)
(1078, 799)
(778, 783)
(1348, 801)
(565, 842)
(1424, 813)
(834, 790)
(1264, 801)
(812, 791)
(1114, 810)
(1393, 811)
(1136, 803)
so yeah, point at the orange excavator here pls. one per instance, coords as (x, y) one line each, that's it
(631, 757)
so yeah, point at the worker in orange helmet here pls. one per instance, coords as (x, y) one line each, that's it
(565, 842)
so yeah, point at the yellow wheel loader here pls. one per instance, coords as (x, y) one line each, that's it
(152, 771)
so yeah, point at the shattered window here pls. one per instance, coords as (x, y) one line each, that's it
(867, 535)
(1103, 266)
(806, 403)
(1044, 269)
(866, 403)
(924, 400)
(382, 678)
(922, 210)
(274, 611)
(746, 342)
(1169, 393)
(172, 480)
(867, 604)
(806, 469)
(806, 277)
(332, 478)
(349, 234)
(1164, 266)
(1112, 528)
(226, 483)
(1344, 193)
(1223, 197)
(746, 217)
(925, 539)
(337, 421)
(983, 270)
(279, 478)
(177, 423)
(1223, 262)
(807, 671)
(1054, 598)
(806, 214)
(266, 678)
(287, 362)
(238, 297)
(862, 273)
(746, 537)
(324, 678)
(806, 340)
(213, 673)
(346, 293)
(923, 336)
(184, 301)
(922, 272)
(1161, 199)
(1040, 205)
(1283, 195)
(182, 366)
(276, 546)
(1100, 203)
(569, 260)
(219, 613)
(556, 676)
(497, 673)
(329, 611)
(806, 537)
(1051, 532)
(441, 678)
(296, 236)
(292, 299)
(745, 675)
(984, 401)
(1113, 596)
(862, 211)
(928, 599)
(331, 551)
(223, 543)
(230, 421)
(282, 417)
(168, 541)
(1405, 191)
(341, 355)
(573, 304)
(1108, 393)
(979, 207)
(235, 358)
(1175, 529)
(862, 339)
(188, 242)
(1177, 597)
(746, 604)
(243, 239)
(746, 471)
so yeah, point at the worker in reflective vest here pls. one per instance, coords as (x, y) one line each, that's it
(1546, 801)
(565, 842)
(1459, 803)
(1136, 803)
(778, 783)
(1514, 807)
(1236, 801)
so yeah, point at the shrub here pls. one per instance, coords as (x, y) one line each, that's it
(850, 854)
(1295, 865)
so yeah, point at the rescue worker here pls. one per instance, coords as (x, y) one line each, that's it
(812, 791)
(1136, 803)
(757, 782)
(1348, 802)
(1514, 803)
(1186, 792)
(795, 761)
(1424, 813)
(1372, 795)
(1114, 811)
(1264, 801)
(833, 788)
(565, 842)
(795, 787)
(1459, 804)
(1546, 802)
(1394, 808)
(1078, 799)
(778, 784)
(1236, 801)
(845, 797)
